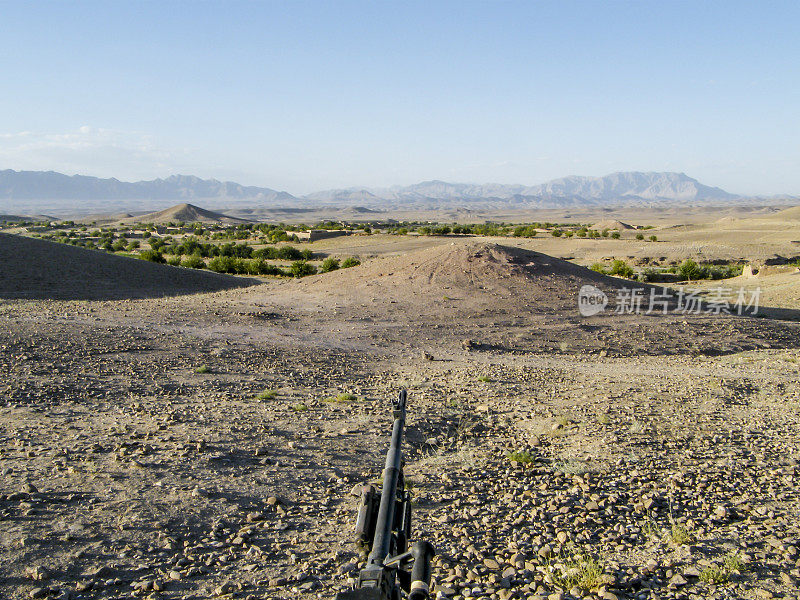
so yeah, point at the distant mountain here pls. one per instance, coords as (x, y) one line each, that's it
(619, 186)
(568, 191)
(49, 185)
(40, 191)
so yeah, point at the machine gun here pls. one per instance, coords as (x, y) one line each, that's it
(383, 527)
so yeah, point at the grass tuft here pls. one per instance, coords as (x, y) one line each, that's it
(203, 369)
(299, 407)
(679, 534)
(268, 395)
(520, 456)
(578, 570)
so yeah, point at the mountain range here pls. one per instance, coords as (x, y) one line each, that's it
(38, 189)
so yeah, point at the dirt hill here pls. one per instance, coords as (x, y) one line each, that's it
(788, 214)
(500, 298)
(187, 213)
(611, 224)
(31, 268)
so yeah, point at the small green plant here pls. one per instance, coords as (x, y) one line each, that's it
(599, 268)
(299, 407)
(603, 418)
(651, 529)
(615, 235)
(203, 369)
(716, 574)
(329, 264)
(713, 574)
(485, 379)
(520, 456)
(342, 398)
(653, 238)
(350, 261)
(679, 534)
(579, 570)
(733, 561)
(268, 395)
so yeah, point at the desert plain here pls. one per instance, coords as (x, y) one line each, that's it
(172, 433)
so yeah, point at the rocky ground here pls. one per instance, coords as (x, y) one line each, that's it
(195, 447)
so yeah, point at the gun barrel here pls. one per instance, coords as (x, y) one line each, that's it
(391, 473)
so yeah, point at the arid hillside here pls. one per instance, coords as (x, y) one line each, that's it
(37, 269)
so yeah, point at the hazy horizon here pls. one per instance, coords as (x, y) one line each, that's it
(310, 96)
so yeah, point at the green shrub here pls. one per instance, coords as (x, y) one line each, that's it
(639, 236)
(520, 456)
(301, 268)
(598, 267)
(621, 268)
(653, 238)
(329, 264)
(350, 261)
(615, 235)
(267, 395)
(194, 261)
(203, 369)
(174, 261)
(689, 269)
(222, 264)
(152, 256)
(528, 231)
(299, 407)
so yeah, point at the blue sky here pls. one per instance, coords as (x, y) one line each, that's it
(303, 96)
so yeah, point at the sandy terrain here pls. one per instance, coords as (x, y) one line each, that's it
(658, 444)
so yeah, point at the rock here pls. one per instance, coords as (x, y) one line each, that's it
(36, 573)
(677, 580)
(225, 588)
(491, 564)
(38, 592)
